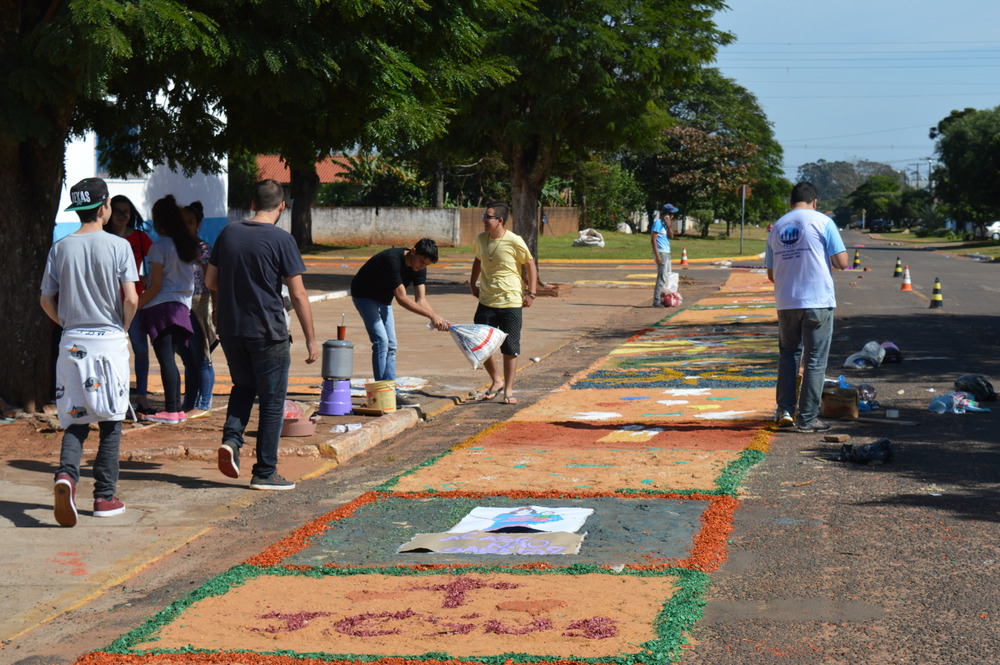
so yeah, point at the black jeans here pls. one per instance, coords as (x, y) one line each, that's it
(259, 369)
(168, 344)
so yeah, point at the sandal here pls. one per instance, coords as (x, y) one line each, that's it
(491, 393)
(509, 399)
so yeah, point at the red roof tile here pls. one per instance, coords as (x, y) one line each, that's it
(272, 167)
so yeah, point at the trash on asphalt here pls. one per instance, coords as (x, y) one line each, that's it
(977, 386)
(892, 353)
(346, 427)
(870, 355)
(877, 452)
(847, 401)
(956, 402)
(589, 238)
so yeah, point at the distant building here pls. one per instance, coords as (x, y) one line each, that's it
(83, 161)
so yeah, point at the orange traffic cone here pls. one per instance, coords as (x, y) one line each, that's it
(907, 284)
(684, 257)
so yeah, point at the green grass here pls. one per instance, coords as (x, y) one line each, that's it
(617, 247)
(624, 246)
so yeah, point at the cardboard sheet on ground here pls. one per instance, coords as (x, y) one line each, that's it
(486, 542)
(523, 519)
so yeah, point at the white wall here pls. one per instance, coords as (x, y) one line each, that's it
(211, 190)
(376, 226)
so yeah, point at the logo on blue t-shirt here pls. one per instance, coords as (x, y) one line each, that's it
(790, 234)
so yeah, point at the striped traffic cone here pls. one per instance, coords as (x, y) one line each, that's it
(684, 257)
(857, 260)
(907, 284)
(898, 271)
(937, 301)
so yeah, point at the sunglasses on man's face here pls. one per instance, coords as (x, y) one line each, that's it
(492, 217)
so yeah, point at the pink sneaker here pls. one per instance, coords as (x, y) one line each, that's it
(65, 504)
(108, 507)
(167, 417)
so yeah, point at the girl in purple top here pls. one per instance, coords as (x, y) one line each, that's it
(165, 305)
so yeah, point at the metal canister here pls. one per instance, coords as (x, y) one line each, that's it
(338, 359)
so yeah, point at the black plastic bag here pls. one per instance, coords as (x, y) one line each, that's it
(865, 453)
(977, 386)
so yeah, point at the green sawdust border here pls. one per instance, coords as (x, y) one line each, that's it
(678, 615)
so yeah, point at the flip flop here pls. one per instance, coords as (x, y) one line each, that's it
(487, 396)
(509, 399)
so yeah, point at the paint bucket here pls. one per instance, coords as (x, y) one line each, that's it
(381, 395)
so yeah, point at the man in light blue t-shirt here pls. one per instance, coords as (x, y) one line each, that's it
(660, 234)
(802, 249)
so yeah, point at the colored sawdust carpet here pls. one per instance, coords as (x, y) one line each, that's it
(253, 615)
(656, 448)
(651, 405)
(574, 457)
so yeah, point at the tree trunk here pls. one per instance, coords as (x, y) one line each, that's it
(530, 167)
(305, 187)
(31, 176)
(439, 185)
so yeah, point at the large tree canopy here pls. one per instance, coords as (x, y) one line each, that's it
(835, 181)
(590, 75)
(191, 81)
(968, 176)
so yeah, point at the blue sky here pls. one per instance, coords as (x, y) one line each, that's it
(854, 80)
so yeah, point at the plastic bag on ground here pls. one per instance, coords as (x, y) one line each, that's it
(671, 299)
(292, 409)
(977, 386)
(892, 353)
(870, 355)
(957, 402)
(478, 342)
(589, 238)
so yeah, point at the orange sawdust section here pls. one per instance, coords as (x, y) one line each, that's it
(470, 615)
(737, 299)
(553, 436)
(568, 470)
(651, 405)
(725, 316)
(707, 551)
(747, 281)
(568, 457)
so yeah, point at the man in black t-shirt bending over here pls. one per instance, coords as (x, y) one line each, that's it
(383, 277)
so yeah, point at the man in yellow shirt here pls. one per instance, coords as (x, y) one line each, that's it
(496, 281)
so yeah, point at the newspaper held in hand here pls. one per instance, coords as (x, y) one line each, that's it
(478, 342)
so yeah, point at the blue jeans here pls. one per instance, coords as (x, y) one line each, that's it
(381, 329)
(140, 354)
(199, 374)
(259, 369)
(105, 462)
(803, 334)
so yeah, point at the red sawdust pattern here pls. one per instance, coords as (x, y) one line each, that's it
(103, 658)
(707, 552)
(715, 435)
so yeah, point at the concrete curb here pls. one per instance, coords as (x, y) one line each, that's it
(348, 445)
(340, 448)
